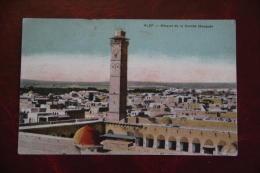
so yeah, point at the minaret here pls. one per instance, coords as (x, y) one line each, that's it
(118, 77)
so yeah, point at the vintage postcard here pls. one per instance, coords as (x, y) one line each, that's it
(128, 87)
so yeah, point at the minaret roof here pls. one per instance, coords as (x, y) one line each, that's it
(120, 35)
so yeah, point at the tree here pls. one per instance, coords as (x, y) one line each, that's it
(101, 97)
(30, 88)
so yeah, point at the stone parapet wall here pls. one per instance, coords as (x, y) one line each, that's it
(211, 139)
(65, 130)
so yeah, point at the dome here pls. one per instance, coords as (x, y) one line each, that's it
(86, 136)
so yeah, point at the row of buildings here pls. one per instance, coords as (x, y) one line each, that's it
(35, 108)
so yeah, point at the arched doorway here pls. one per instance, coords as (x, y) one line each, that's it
(139, 139)
(208, 147)
(196, 145)
(149, 141)
(110, 131)
(220, 146)
(160, 142)
(233, 148)
(71, 135)
(54, 134)
(184, 144)
(172, 143)
(130, 133)
(234, 144)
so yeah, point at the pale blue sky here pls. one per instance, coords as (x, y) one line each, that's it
(79, 37)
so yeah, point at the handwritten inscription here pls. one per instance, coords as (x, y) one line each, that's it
(178, 26)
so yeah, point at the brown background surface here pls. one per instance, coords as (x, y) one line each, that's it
(246, 14)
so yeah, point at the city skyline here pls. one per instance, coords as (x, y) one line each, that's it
(78, 50)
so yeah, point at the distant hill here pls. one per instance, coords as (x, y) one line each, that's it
(47, 84)
(131, 84)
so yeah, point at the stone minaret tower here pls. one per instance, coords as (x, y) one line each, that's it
(118, 77)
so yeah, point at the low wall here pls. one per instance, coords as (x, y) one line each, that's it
(64, 130)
